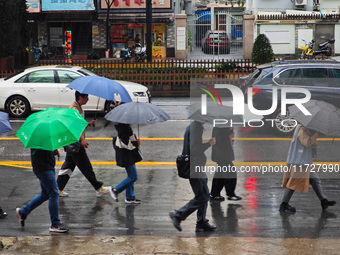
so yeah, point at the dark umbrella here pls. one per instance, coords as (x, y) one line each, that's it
(5, 126)
(138, 113)
(325, 117)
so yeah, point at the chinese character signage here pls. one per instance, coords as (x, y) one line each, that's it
(136, 4)
(33, 6)
(67, 5)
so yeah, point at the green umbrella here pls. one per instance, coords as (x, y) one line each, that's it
(52, 129)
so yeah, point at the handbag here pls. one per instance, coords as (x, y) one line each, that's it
(298, 154)
(73, 147)
(183, 166)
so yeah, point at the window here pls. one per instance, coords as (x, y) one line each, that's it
(67, 76)
(284, 77)
(41, 77)
(336, 74)
(317, 77)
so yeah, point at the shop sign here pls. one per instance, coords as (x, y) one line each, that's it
(119, 40)
(135, 4)
(67, 5)
(33, 6)
(95, 30)
(130, 26)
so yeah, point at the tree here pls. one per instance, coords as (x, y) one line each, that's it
(13, 27)
(262, 50)
(240, 3)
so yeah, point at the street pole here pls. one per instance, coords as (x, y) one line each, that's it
(108, 29)
(149, 30)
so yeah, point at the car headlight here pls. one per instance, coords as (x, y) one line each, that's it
(139, 94)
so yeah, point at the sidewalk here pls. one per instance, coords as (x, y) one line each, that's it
(102, 226)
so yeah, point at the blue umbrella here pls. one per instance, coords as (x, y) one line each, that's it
(101, 87)
(5, 126)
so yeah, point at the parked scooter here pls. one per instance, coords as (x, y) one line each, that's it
(324, 49)
(126, 54)
(140, 52)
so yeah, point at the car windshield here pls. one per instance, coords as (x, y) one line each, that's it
(217, 35)
(87, 72)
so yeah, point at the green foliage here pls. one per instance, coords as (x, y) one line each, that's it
(227, 66)
(13, 27)
(240, 3)
(262, 50)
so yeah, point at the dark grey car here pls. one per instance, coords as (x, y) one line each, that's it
(320, 77)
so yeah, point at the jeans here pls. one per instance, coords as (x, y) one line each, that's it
(128, 184)
(50, 192)
(199, 202)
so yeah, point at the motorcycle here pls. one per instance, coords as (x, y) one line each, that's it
(140, 52)
(126, 54)
(324, 49)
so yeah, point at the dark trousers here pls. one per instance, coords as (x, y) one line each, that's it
(199, 202)
(81, 160)
(224, 179)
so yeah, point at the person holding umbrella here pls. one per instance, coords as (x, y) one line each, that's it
(223, 155)
(126, 145)
(44, 132)
(43, 163)
(194, 146)
(302, 150)
(5, 126)
(78, 156)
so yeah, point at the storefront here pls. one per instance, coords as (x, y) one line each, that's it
(65, 25)
(128, 19)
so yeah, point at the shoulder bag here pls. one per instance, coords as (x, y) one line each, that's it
(183, 166)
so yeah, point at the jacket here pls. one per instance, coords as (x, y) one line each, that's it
(222, 151)
(298, 177)
(126, 157)
(193, 145)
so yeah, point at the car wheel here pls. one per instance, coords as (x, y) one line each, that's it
(109, 105)
(18, 107)
(282, 124)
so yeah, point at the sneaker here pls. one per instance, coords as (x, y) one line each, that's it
(132, 201)
(217, 198)
(204, 226)
(325, 203)
(175, 220)
(102, 191)
(234, 198)
(285, 207)
(59, 228)
(63, 193)
(2, 214)
(114, 194)
(20, 216)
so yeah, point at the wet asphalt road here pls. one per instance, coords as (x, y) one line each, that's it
(160, 190)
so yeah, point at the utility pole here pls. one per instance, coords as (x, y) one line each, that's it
(108, 28)
(149, 30)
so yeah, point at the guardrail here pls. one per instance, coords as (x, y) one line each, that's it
(165, 77)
